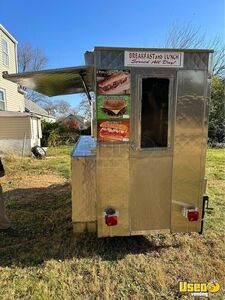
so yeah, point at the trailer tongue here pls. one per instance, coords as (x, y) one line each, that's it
(142, 170)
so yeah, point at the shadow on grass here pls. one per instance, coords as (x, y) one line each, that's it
(42, 219)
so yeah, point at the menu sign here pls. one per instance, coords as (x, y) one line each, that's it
(114, 131)
(113, 82)
(153, 59)
(113, 107)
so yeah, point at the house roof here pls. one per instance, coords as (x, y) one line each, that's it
(79, 118)
(15, 114)
(8, 34)
(33, 107)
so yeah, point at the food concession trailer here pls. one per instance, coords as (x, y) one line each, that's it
(142, 169)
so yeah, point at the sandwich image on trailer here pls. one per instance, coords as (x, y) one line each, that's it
(113, 82)
(142, 169)
(113, 131)
(113, 107)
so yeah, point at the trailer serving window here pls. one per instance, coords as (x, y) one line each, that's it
(154, 112)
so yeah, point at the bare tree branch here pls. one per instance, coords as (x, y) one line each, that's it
(84, 108)
(218, 56)
(184, 36)
(188, 36)
(59, 109)
(31, 59)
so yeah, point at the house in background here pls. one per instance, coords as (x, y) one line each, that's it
(74, 121)
(19, 131)
(34, 108)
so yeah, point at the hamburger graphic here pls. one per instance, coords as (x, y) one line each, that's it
(114, 131)
(114, 107)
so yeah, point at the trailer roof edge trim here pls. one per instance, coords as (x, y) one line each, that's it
(54, 82)
(100, 48)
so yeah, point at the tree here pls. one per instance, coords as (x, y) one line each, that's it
(217, 112)
(188, 36)
(218, 57)
(184, 36)
(59, 109)
(84, 108)
(58, 133)
(32, 59)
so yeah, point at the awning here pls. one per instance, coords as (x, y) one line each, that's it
(56, 82)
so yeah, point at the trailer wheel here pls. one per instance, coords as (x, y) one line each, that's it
(38, 152)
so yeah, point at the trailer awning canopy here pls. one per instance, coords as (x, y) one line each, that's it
(56, 82)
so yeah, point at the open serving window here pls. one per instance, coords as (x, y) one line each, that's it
(154, 112)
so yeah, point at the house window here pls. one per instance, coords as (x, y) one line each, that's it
(5, 52)
(2, 99)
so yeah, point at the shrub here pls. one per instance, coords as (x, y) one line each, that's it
(217, 113)
(58, 133)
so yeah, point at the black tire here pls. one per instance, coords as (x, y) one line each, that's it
(38, 152)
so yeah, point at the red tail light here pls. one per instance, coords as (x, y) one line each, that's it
(111, 220)
(193, 215)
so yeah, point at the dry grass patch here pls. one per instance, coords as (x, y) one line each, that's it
(46, 261)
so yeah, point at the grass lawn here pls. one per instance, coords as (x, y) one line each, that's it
(44, 260)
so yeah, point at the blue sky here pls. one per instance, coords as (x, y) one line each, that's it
(66, 29)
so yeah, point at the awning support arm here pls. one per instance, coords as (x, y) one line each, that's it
(86, 88)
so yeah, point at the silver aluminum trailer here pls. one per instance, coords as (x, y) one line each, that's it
(143, 168)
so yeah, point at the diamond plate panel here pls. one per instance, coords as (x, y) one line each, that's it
(109, 59)
(196, 61)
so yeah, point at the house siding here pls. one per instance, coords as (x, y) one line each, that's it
(16, 131)
(19, 147)
(14, 101)
(15, 128)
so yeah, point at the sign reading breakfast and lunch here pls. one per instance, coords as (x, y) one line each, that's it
(153, 59)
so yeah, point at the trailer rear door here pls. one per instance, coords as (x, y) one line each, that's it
(151, 151)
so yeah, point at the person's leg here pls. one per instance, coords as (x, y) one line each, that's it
(4, 221)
